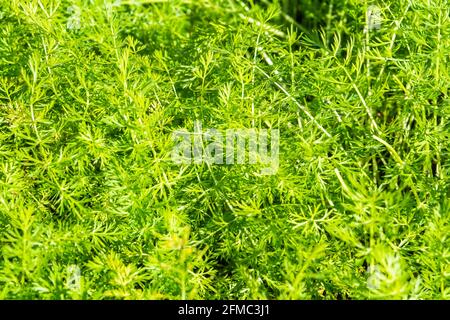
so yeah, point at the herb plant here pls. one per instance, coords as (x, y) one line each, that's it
(93, 207)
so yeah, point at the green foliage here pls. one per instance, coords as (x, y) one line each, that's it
(92, 206)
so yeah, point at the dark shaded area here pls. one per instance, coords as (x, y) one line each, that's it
(310, 14)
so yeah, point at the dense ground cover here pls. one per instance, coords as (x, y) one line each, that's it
(93, 207)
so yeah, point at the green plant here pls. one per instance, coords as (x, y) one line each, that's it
(93, 207)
